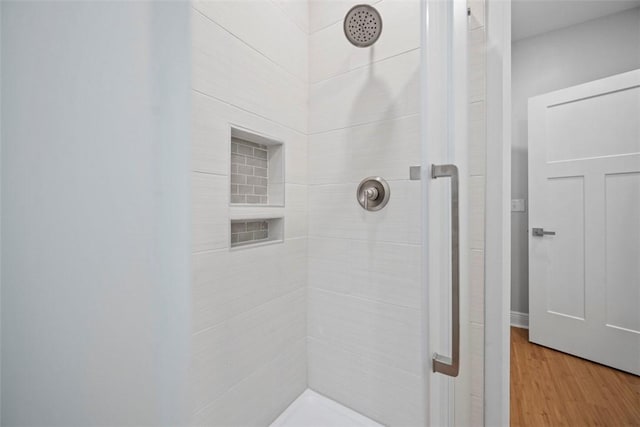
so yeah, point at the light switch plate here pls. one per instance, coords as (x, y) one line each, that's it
(518, 205)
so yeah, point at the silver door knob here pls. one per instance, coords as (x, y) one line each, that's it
(539, 232)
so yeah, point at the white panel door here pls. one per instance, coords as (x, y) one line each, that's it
(584, 186)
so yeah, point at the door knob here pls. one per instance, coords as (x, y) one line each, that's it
(539, 232)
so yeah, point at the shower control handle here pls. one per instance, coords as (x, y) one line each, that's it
(370, 193)
(373, 193)
(450, 365)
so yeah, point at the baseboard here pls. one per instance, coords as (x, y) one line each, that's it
(520, 320)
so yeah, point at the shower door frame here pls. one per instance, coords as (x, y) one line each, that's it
(440, 408)
(444, 141)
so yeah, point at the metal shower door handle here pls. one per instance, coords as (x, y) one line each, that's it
(450, 365)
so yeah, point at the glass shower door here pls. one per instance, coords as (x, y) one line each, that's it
(447, 195)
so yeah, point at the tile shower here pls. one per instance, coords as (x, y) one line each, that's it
(333, 303)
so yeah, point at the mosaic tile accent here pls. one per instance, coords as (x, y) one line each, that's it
(249, 172)
(247, 232)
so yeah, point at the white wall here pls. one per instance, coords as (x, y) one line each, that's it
(364, 267)
(95, 308)
(552, 61)
(250, 62)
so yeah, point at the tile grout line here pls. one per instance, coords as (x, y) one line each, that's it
(365, 299)
(226, 248)
(277, 64)
(287, 293)
(310, 134)
(336, 21)
(340, 346)
(234, 385)
(253, 113)
(360, 67)
(293, 21)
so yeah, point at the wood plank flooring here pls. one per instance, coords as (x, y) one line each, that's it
(550, 388)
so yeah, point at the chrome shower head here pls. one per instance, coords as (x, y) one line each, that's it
(362, 25)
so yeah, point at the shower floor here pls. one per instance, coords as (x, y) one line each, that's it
(313, 410)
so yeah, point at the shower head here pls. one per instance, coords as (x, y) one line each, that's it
(362, 25)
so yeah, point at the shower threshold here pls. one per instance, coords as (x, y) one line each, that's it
(311, 409)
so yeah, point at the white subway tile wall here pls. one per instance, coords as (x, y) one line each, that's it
(249, 306)
(477, 184)
(237, 69)
(364, 267)
(249, 173)
(336, 306)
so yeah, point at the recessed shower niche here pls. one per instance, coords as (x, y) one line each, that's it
(256, 189)
(256, 231)
(257, 169)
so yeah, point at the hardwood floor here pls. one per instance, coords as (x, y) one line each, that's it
(550, 388)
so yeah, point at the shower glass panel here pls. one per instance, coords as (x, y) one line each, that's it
(453, 202)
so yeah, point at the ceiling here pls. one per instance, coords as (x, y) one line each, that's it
(533, 17)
